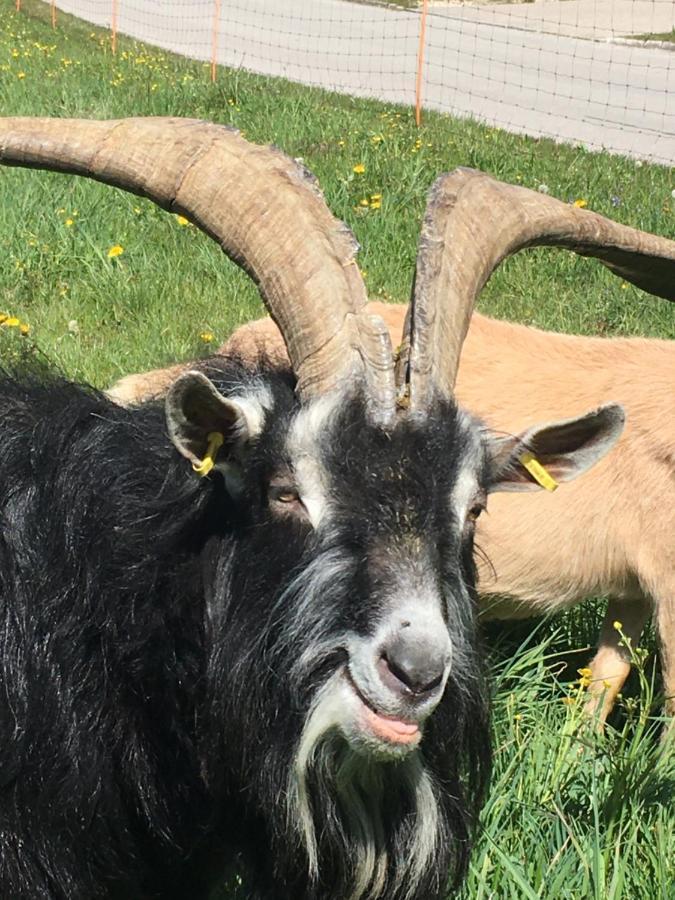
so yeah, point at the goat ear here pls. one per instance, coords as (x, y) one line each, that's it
(565, 449)
(195, 409)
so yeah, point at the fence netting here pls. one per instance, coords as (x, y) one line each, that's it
(600, 73)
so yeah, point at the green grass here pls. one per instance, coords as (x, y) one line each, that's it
(668, 36)
(569, 815)
(401, 4)
(572, 814)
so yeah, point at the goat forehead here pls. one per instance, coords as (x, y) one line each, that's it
(394, 477)
(411, 469)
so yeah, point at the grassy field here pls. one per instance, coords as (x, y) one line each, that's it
(666, 36)
(570, 815)
(401, 4)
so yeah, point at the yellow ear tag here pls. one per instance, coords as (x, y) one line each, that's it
(538, 472)
(215, 442)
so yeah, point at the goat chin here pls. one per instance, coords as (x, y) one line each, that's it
(352, 791)
(608, 533)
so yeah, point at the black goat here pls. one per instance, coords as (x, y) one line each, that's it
(188, 660)
(275, 666)
(166, 641)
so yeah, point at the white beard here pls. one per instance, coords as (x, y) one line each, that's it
(352, 792)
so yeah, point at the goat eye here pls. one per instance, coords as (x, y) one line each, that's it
(284, 500)
(475, 511)
(286, 494)
(287, 497)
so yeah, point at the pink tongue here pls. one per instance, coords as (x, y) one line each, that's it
(395, 730)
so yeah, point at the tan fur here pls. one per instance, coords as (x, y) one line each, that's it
(611, 532)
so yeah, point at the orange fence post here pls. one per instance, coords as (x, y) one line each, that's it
(214, 39)
(53, 13)
(18, 5)
(420, 64)
(113, 26)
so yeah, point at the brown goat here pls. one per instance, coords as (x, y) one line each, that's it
(610, 532)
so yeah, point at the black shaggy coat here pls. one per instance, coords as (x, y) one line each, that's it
(101, 661)
(139, 753)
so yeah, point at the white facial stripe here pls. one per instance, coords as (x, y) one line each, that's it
(466, 485)
(303, 445)
(310, 478)
(464, 491)
(311, 420)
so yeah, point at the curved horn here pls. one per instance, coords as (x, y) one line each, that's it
(472, 223)
(265, 210)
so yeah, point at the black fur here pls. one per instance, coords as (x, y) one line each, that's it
(151, 696)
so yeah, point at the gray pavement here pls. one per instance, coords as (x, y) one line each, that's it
(598, 20)
(548, 69)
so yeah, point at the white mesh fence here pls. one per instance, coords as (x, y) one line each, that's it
(573, 70)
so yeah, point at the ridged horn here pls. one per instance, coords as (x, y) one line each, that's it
(265, 210)
(472, 223)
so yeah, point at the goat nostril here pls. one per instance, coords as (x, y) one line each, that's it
(397, 671)
(431, 685)
(415, 669)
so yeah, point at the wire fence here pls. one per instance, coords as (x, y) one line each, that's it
(600, 73)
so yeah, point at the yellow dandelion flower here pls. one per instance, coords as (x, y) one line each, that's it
(12, 322)
(359, 169)
(585, 672)
(115, 251)
(24, 328)
(375, 204)
(363, 201)
(341, 143)
(182, 220)
(606, 684)
(616, 625)
(206, 336)
(20, 75)
(376, 196)
(581, 203)
(69, 223)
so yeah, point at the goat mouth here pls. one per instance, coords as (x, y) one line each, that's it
(390, 730)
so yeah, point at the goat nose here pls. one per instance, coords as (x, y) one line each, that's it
(417, 664)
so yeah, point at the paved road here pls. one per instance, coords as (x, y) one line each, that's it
(510, 66)
(599, 20)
